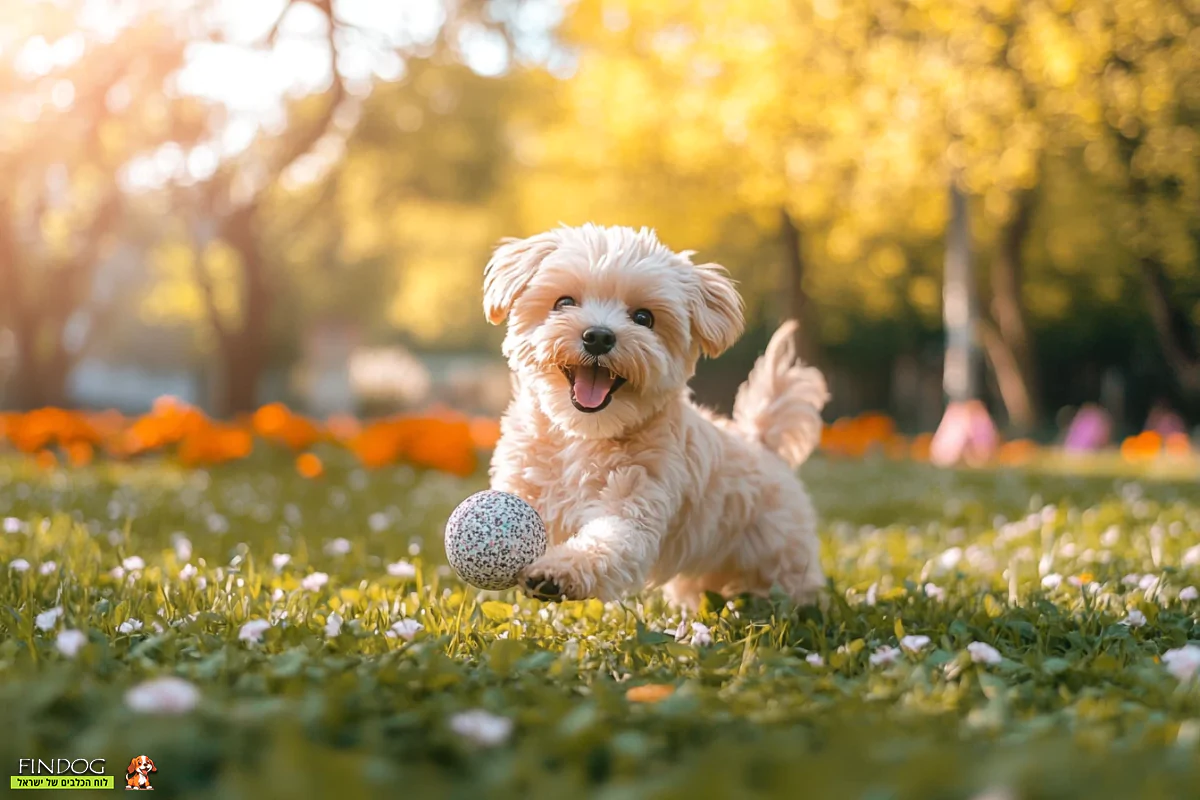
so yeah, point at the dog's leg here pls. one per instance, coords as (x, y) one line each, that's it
(612, 554)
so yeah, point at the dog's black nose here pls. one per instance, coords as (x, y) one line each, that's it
(598, 341)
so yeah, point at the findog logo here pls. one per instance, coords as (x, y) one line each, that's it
(137, 774)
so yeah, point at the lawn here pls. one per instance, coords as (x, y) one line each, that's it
(1048, 602)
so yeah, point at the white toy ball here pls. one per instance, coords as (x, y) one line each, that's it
(491, 537)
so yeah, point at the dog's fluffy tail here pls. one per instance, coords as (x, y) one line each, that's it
(780, 404)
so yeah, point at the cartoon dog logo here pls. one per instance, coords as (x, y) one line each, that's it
(137, 774)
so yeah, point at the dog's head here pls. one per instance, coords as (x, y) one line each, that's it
(142, 765)
(605, 325)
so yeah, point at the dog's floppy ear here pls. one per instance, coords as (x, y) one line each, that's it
(717, 318)
(510, 270)
(132, 768)
(152, 767)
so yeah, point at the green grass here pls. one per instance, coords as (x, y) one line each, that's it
(1079, 705)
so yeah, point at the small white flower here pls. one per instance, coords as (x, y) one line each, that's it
(884, 655)
(338, 547)
(12, 525)
(701, 634)
(1132, 579)
(253, 630)
(18, 565)
(1136, 619)
(983, 653)
(815, 659)
(949, 559)
(1052, 581)
(188, 572)
(1147, 581)
(1183, 662)
(1191, 558)
(280, 560)
(201, 583)
(914, 643)
(402, 569)
(934, 592)
(133, 564)
(183, 547)
(70, 642)
(405, 629)
(1188, 594)
(314, 582)
(129, 626)
(378, 522)
(872, 594)
(333, 625)
(481, 727)
(117, 572)
(163, 696)
(47, 568)
(277, 595)
(48, 619)
(217, 524)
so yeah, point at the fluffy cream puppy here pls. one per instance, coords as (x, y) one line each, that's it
(639, 487)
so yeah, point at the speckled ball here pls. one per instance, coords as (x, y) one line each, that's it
(491, 537)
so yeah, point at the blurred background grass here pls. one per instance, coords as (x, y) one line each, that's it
(237, 203)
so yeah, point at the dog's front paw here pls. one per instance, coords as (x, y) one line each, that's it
(558, 576)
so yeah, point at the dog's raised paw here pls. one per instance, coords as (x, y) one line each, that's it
(541, 587)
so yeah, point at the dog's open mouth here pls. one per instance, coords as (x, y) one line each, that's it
(592, 386)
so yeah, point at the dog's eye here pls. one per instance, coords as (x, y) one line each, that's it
(564, 302)
(643, 317)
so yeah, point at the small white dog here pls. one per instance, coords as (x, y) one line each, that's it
(639, 487)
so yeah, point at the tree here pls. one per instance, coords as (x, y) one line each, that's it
(83, 105)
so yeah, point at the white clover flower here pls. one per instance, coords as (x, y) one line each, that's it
(47, 568)
(163, 696)
(884, 655)
(1147, 582)
(815, 659)
(117, 572)
(402, 569)
(333, 625)
(338, 547)
(280, 560)
(47, 620)
(914, 643)
(18, 565)
(70, 642)
(201, 583)
(129, 626)
(188, 572)
(982, 653)
(1132, 579)
(701, 634)
(949, 559)
(12, 525)
(183, 547)
(1188, 593)
(314, 582)
(934, 592)
(277, 595)
(1191, 557)
(217, 524)
(133, 564)
(1183, 662)
(1136, 619)
(378, 522)
(405, 629)
(1052, 581)
(253, 630)
(482, 727)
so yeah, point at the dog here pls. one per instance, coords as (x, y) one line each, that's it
(639, 487)
(137, 774)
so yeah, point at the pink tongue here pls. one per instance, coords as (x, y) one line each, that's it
(592, 385)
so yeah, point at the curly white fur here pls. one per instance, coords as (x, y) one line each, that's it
(651, 490)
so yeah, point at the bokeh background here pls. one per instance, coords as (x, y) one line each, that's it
(237, 203)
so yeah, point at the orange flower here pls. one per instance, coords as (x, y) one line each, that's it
(485, 433)
(921, 445)
(1178, 445)
(649, 693)
(1017, 452)
(46, 459)
(79, 454)
(1143, 447)
(276, 422)
(343, 427)
(310, 466)
(215, 444)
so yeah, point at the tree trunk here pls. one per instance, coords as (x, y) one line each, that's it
(244, 349)
(799, 306)
(1175, 332)
(961, 376)
(1019, 387)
